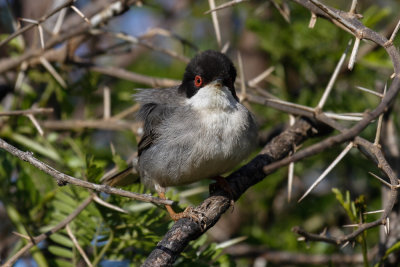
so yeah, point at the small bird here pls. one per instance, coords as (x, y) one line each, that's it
(197, 130)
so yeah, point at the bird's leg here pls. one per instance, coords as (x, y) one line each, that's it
(177, 216)
(224, 185)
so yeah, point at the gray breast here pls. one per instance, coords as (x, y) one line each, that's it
(195, 145)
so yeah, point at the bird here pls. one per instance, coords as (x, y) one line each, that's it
(196, 130)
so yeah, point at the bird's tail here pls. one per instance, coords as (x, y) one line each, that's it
(125, 177)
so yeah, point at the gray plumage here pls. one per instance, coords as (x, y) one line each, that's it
(189, 139)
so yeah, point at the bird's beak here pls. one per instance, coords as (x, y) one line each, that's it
(216, 83)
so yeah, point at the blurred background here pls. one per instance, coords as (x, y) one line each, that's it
(153, 40)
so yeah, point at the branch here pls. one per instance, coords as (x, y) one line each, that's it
(110, 124)
(26, 111)
(63, 179)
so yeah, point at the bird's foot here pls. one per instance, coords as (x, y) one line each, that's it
(224, 185)
(189, 212)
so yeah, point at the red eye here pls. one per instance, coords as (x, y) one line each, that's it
(198, 81)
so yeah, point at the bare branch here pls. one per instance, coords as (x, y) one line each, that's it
(26, 111)
(75, 241)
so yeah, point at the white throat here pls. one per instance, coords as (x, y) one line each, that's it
(214, 98)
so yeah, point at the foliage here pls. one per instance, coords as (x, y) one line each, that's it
(304, 60)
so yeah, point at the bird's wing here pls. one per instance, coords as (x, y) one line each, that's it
(157, 105)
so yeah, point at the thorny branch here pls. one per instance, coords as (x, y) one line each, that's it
(269, 160)
(212, 208)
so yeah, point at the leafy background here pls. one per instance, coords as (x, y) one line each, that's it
(31, 202)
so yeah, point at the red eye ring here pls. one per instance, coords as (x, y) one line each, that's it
(198, 81)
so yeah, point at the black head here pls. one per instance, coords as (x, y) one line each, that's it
(205, 68)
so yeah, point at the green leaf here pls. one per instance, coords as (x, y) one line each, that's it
(392, 249)
(93, 171)
(62, 240)
(121, 164)
(62, 252)
(35, 146)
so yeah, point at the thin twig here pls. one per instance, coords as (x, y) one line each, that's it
(75, 241)
(27, 111)
(10, 262)
(64, 178)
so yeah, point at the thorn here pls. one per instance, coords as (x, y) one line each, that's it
(40, 29)
(313, 20)
(53, 72)
(35, 123)
(253, 82)
(107, 103)
(353, 7)
(225, 47)
(323, 233)
(22, 236)
(351, 225)
(291, 165)
(225, 5)
(373, 212)
(29, 20)
(343, 117)
(379, 126)
(345, 244)
(330, 167)
(242, 78)
(388, 225)
(20, 76)
(289, 104)
(333, 77)
(354, 53)
(380, 179)
(215, 22)
(59, 21)
(369, 91)
(74, 8)
(394, 33)
(108, 205)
